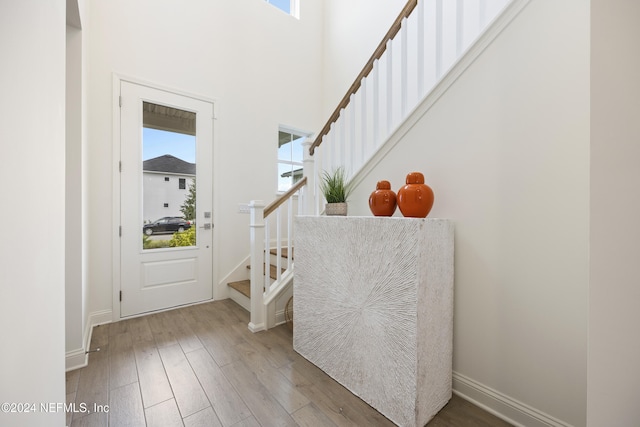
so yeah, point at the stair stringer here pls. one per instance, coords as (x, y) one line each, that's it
(239, 272)
(494, 29)
(278, 289)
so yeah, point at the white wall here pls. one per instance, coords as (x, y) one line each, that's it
(76, 190)
(74, 320)
(32, 290)
(614, 338)
(506, 151)
(261, 66)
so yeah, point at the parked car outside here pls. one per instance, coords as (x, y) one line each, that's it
(167, 224)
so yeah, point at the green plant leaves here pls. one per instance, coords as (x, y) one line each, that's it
(334, 186)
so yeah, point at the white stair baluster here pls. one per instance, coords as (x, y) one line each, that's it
(363, 122)
(278, 246)
(459, 27)
(389, 57)
(352, 133)
(376, 104)
(266, 279)
(404, 69)
(420, 49)
(439, 39)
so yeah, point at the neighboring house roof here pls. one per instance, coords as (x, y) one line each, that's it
(169, 164)
(296, 174)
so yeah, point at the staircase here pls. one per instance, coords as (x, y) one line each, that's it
(271, 233)
(428, 46)
(240, 291)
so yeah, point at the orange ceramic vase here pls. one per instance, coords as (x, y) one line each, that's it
(415, 199)
(382, 202)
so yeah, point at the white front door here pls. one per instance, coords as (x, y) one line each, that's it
(166, 192)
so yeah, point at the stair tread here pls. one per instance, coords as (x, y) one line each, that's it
(272, 270)
(242, 286)
(283, 252)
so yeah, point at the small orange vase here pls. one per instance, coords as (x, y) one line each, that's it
(382, 201)
(415, 199)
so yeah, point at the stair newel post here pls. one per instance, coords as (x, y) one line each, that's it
(256, 227)
(310, 204)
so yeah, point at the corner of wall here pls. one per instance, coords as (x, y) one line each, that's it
(78, 358)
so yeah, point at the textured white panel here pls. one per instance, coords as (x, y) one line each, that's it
(373, 304)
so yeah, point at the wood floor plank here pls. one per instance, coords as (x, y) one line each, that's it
(332, 387)
(99, 336)
(139, 329)
(119, 327)
(247, 422)
(311, 416)
(262, 342)
(231, 307)
(327, 396)
(460, 413)
(93, 383)
(120, 342)
(125, 407)
(96, 419)
(186, 336)
(259, 400)
(70, 399)
(161, 329)
(164, 414)
(122, 363)
(185, 385)
(226, 330)
(122, 369)
(154, 384)
(226, 402)
(71, 380)
(285, 393)
(330, 407)
(205, 418)
(220, 349)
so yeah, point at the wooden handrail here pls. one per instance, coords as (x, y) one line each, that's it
(280, 200)
(395, 27)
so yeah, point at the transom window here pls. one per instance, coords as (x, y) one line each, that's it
(289, 158)
(290, 7)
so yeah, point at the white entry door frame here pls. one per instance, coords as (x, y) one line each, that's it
(206, 238)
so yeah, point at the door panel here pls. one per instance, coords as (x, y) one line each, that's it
(154, 275)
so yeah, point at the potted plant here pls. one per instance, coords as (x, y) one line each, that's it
(336, 190)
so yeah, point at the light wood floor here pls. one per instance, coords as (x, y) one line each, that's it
(201, 366)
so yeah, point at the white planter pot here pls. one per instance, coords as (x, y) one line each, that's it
(335, 209)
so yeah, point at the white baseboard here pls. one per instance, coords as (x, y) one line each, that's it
(76, 359)
(100, 318)
(256, 327)
(514, 412)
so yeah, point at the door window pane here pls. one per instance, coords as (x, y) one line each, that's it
(168, 148)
